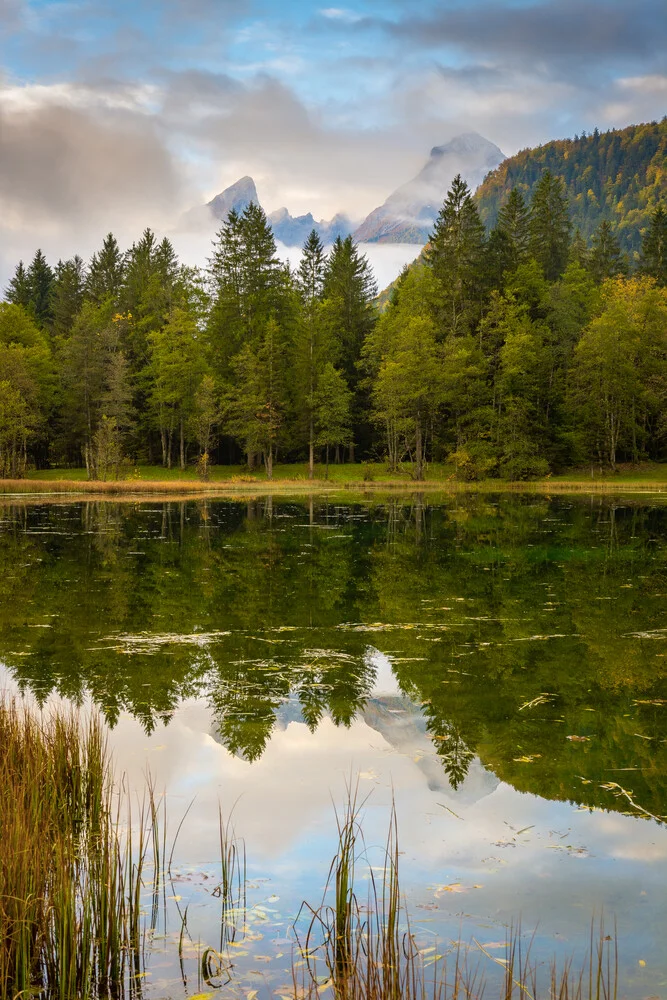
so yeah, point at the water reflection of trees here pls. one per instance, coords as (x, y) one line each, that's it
(463, 596)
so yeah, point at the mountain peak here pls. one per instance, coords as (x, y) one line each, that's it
(407, 216)
(466, 143)
(236, 197)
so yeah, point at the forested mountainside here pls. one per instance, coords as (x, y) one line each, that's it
(618, 176)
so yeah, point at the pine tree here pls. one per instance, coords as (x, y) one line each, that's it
(249, 282)
(456, 254)
(550, 226)
(18, 290)
(605, 258)
(40, 280)
(311, 345)
(654, 248)
(68, 293)
(349, 290)
(579, 252)
(104, 280)
(509, 243)
(310, 273)
(348, 311)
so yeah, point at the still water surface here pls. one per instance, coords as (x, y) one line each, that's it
(496, 664)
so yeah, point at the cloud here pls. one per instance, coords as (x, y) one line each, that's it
(341, 14)
(74, 166)
(556, 29)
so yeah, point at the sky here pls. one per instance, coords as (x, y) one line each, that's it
(116, 114)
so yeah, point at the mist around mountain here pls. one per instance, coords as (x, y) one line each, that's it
(293, 231)
(408, 215)
(617, 176)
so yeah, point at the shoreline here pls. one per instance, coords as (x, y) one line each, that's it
(27, 488)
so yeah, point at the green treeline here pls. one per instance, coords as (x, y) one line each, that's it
(509, 354)
(618, 176)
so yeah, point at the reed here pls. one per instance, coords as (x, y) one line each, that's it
(368, 950)
(73, 872)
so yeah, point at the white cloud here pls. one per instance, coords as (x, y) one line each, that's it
(341, 14)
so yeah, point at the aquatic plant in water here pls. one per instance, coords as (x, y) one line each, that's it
(72, 873)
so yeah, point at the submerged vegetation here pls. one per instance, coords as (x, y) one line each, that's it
(509, 354)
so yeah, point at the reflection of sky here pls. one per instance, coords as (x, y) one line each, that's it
(480, 856)
(566, 865)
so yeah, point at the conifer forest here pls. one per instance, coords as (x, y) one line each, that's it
(511, 352)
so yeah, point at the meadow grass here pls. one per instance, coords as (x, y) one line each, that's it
(368, 476)
(72, 876)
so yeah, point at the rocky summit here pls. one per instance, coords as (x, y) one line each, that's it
(407, 216)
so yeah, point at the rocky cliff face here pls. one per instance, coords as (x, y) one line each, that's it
(407, 216)
(237, 197)
(294, 230)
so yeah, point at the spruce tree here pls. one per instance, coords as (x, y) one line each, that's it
(105, 273)
(654, 248)
(514, 229)
(605, 258)
(249, 284)
(550, 226)
(68, 293)
(456, 255)
(311, 341)
(18, 289)
(40, 280)
(310, 273)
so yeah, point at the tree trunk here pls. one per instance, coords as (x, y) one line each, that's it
(169, 448)
(419, 471)
(182, 447)
(327, 472)
(311, 451)
(268, 461)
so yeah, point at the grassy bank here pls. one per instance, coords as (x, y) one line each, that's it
(369, 477)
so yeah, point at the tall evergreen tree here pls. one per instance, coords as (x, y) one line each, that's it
(40, 280)
(311, 345)
(68, 293)
(654, 247)
(18, 290)
(456, 254)
(249, 284)
(550, 226)
(348, 312)
(310, 273)
(104, 280)
(509, 242)
(605, 259)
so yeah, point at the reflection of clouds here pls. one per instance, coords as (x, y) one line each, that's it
(546, 862)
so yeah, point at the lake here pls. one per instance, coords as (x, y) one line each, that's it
(496, 665)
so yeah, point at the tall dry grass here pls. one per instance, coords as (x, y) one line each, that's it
(72, 876)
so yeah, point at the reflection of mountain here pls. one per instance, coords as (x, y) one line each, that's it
(402, 724)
